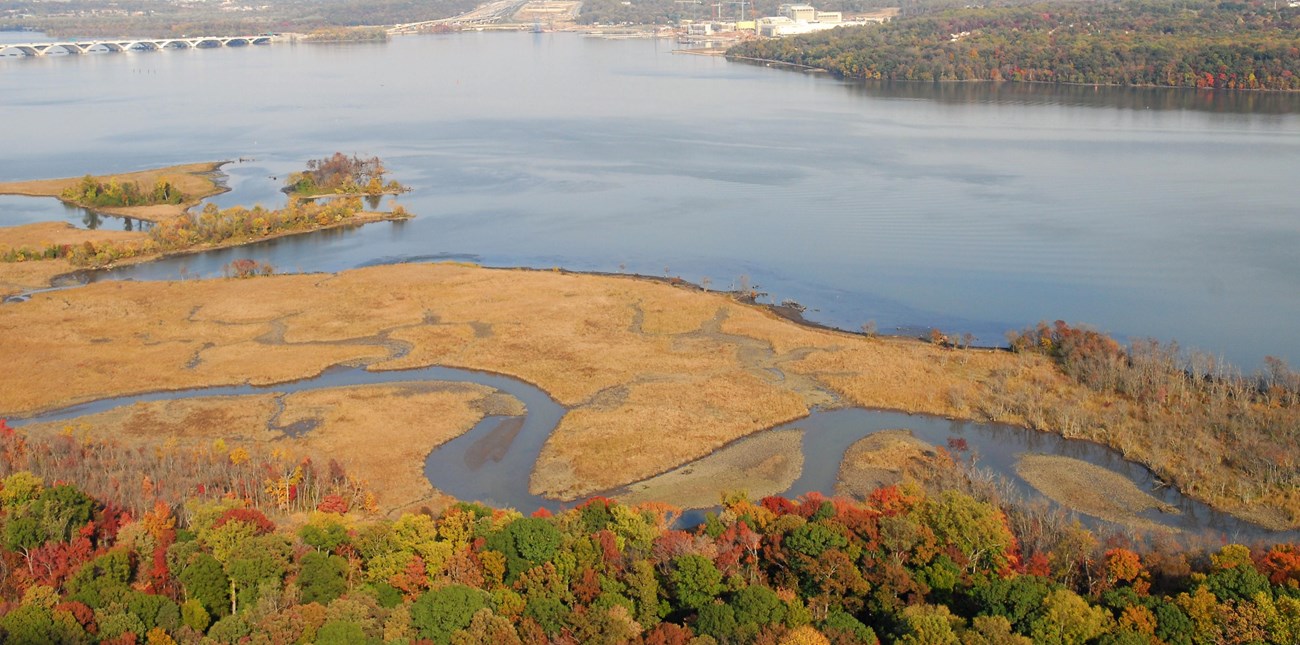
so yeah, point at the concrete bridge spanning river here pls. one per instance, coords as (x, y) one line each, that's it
(134, 44)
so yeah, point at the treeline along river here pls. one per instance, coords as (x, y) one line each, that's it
(971, 208)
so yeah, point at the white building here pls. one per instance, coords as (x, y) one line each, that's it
(798, 19)
(798, 12)
(700, 29)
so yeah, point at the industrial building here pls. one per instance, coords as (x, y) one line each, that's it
(798, 19)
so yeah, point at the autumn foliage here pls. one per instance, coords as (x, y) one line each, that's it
(1217, 434)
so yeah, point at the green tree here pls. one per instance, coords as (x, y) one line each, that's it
(28, 625)
(696, 582)
(205, 581)
(716, 620)
(1017, 598)
(325, 535)
(526, 543)
(977, 530)
(1066, 619)
(929, 625)
(842, 624)
(23, 534)
(439, 613)
(322, 577)
(340, 632)
(154, 610)
(549, 612)
(102, 581)
(644, 589)
(813, 538)
(758, 605)
(1173, 625)
(229, 630)
(194, 616)
(1233, 575)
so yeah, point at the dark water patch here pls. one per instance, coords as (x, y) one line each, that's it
(298, 428)
(494, 445)
(417, 259)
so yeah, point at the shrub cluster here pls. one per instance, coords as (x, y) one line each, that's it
(342, 174)
(93, 193)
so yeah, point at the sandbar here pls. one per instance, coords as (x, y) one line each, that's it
(1090, 489)
(762, 465)
(883, 458)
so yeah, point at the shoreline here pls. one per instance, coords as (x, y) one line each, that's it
(199, 181)
(775, 63)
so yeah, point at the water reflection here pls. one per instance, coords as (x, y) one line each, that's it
(1045, 94)
(16, 210)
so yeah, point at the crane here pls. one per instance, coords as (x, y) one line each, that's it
(742, 4)
(694, 8)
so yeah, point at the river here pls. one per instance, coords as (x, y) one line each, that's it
(972, 208)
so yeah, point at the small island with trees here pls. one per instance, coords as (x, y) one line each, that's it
(340, 174)
(34, 254)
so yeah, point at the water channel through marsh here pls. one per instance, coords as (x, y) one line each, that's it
(493, 461)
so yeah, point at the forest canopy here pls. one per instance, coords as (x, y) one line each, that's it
(1196, 43)
(203, 551)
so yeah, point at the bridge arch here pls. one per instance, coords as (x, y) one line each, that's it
(61, 48)
(101, 47)
(23, 50)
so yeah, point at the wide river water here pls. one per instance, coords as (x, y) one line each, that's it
(972, 208)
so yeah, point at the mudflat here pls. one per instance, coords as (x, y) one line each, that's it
(1090, 489)
(762, 465)
(883, 458)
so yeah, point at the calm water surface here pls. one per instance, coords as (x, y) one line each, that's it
(973, 208)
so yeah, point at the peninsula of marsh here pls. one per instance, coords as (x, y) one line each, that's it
(648, 375)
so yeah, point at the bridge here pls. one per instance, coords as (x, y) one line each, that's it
(133, 44)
